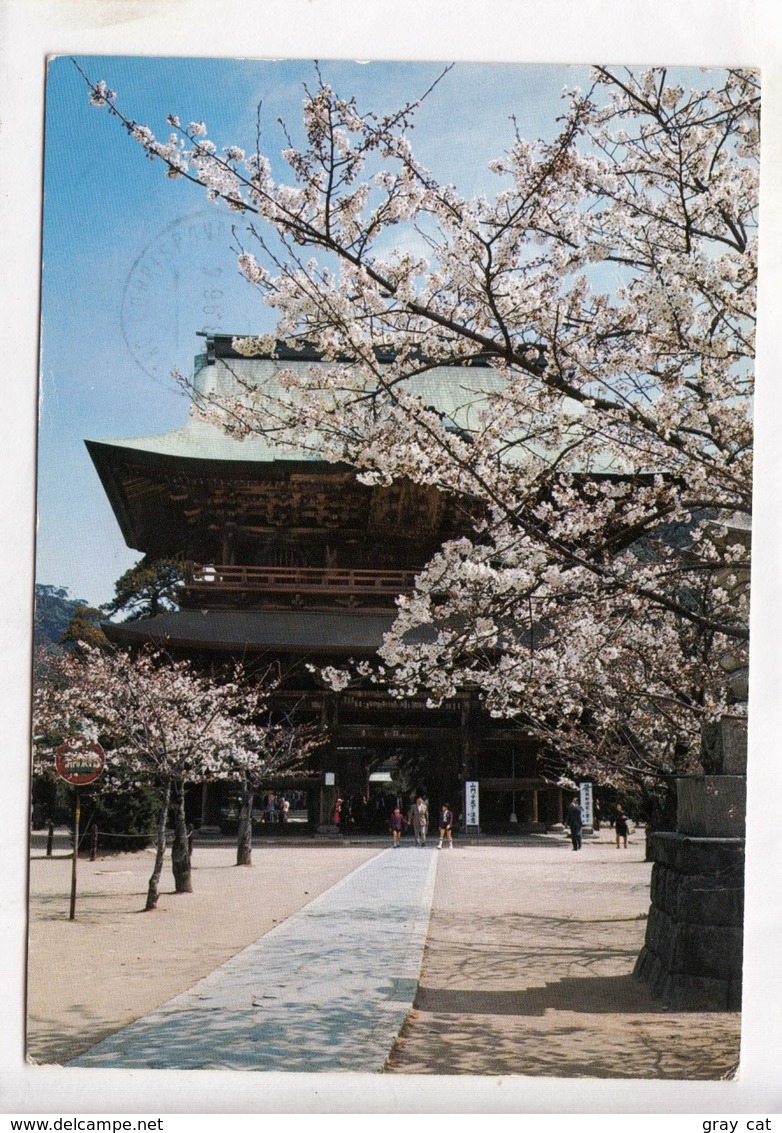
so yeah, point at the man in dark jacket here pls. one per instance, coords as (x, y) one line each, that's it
(574, 822)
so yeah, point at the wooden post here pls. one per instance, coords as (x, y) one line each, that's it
(94, 842)
(76, 818)
(560, 810)
(50, 839)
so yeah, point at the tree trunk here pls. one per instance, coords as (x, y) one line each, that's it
(244, 842)
(180, 854)
(154, 882)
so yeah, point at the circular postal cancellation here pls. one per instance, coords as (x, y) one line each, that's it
(185, 280)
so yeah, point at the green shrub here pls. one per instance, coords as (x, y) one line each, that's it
(126, 822)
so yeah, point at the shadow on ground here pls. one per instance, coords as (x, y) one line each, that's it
(528, 972)
(592, 995)
(559, 1045)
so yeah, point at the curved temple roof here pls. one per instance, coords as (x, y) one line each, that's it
(132, 469)
(457, 394)
(301, 632)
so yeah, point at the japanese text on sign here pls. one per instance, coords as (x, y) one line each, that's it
(471, 804)
(585, 790)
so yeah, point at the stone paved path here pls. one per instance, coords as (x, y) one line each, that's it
(327, 990)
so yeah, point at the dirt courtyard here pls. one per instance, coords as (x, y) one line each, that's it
(527, 968)
(527, 971)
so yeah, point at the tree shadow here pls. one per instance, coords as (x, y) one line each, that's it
(265, 1036)
(560, 1045)
(591, 995)
(53, 1047)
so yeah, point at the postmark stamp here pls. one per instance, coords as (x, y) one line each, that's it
(183, 281)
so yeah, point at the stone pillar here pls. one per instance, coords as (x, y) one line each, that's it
(692, 954)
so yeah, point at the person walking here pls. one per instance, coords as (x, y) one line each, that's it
(395, 826)
(445, 825)
(346, 815)
(419, 820)
(621, 826)
(574, 823)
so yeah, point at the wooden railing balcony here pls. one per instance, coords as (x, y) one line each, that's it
(338, 581)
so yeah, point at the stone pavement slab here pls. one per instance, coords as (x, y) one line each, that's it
(326, 990)
(115, 963)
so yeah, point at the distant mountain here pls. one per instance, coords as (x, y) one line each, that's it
(54, 613)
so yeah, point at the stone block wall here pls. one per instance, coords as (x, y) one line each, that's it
(724, 746)
(692, 954)
(712, 806)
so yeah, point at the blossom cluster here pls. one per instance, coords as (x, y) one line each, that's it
(161, 720)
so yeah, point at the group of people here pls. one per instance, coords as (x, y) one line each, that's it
(575, 824)
(276, 808)
(353, 812)
(418, 820)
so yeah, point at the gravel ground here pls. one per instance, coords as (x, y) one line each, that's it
(527, 967)
(527, 971)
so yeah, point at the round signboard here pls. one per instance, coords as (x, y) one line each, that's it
(79, 761)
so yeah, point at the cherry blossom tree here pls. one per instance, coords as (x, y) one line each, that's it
(161, 722)
(593, 321)
(277, 748)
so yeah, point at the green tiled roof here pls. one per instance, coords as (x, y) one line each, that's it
(459, 394)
